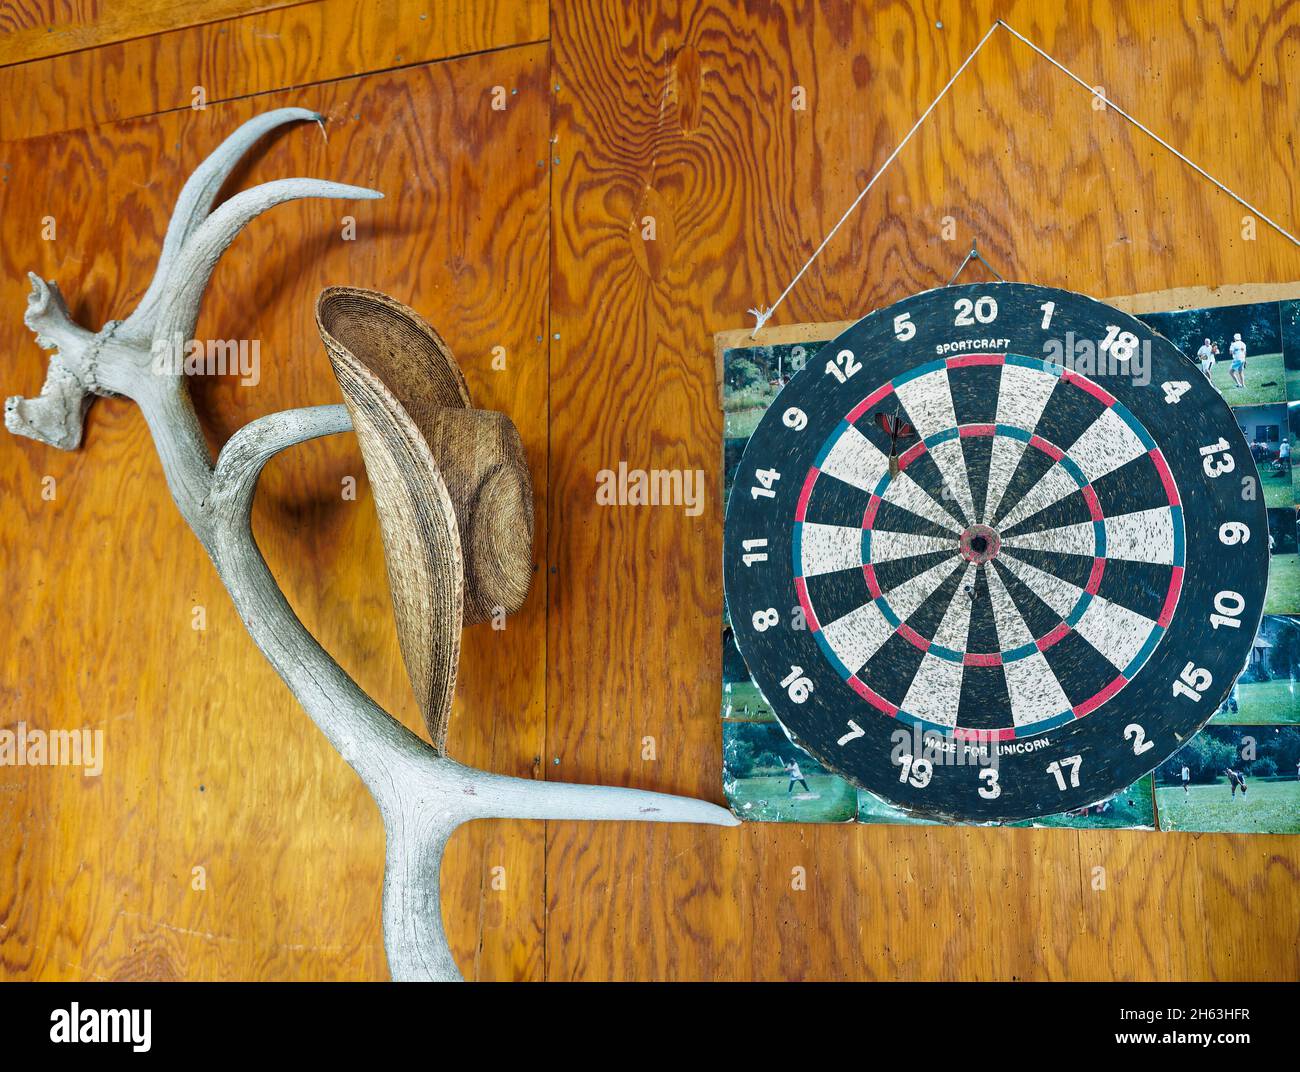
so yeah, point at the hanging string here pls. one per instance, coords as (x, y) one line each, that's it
(1157, 138)
(762, 314)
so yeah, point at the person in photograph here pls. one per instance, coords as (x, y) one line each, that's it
(1237, 370)
(796, 775)
(1205, 355)
(1284, 453)
(1235, 781)
(1187, 777)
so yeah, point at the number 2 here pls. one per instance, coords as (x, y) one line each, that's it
(1135, 733)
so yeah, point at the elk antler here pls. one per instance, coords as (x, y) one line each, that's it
(422, 794)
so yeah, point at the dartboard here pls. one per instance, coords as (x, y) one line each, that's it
(995, 552)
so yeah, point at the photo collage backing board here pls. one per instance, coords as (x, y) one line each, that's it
(1256, 731)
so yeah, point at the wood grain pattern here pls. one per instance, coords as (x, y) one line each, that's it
(236, 57)
(35, 28)
(209, 761)
(683, 111)
(677, 110)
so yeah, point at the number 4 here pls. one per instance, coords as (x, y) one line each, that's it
(1175, 389)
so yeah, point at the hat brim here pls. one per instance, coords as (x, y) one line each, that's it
(393, 370)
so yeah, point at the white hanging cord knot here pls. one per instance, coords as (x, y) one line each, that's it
(765, 315)
(760, 315)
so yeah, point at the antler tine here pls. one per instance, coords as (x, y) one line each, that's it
(182, 289)
(195, 202)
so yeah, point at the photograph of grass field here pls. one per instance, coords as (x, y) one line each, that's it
(1293, 422)
(1265, 759)
(871, 809)
(1289, 318)
(1267, 429)
(742, 702)
(1260, 329)
(1261, 703)
(1283, 585)
(1269, 807)
(752, 377)
(1277, 484)
(767, 779)
(765, 800)
(1130, 809)
(1265, 377)
(1268, 690)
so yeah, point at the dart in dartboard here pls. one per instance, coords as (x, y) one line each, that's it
(896, 428)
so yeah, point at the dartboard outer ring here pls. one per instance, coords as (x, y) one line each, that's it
(1129, 599)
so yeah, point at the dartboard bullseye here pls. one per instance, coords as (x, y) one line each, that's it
(996, 552)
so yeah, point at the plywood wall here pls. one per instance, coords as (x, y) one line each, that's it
(524, 229)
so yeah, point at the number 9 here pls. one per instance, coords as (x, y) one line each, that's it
(1234, 532)
(795, 418)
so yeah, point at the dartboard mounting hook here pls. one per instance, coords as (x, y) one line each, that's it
(974, 255)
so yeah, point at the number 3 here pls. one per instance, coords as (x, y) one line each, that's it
(991, 791)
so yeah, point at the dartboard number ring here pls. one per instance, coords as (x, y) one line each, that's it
(1026, 546)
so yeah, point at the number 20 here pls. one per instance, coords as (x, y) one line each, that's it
(985, 310)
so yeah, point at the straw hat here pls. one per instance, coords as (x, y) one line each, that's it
(451, 484)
